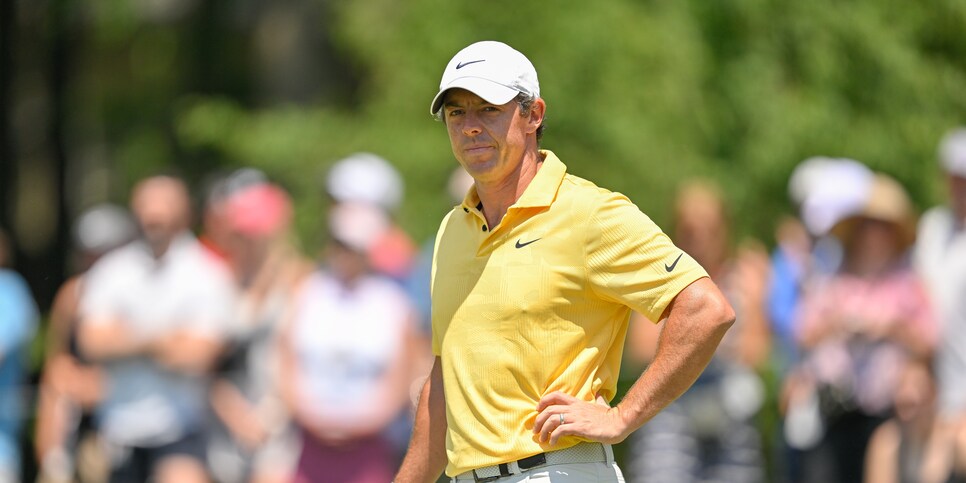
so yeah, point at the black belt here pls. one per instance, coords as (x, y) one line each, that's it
(580, 453)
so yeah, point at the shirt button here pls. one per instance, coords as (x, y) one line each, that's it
(466, 210)
(484, 227)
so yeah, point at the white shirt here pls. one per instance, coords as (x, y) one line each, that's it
(940, 258)
(146, 404)
(345, 342)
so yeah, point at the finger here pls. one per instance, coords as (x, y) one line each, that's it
(560, 431)
(541, 420)
(551, 426)
(555, 397)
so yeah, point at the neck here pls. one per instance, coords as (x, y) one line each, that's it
(498, 196)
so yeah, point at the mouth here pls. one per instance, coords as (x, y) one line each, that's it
(476, 149)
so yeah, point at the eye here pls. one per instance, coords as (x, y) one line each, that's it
(454, 112)
(490, 109)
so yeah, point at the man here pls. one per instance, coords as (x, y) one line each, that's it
(534, 278)
(152, 313)
(940, 257)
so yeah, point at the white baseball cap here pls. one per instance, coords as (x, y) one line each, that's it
(366, 178)
(952, 152)
(492, 70)
(829, 189)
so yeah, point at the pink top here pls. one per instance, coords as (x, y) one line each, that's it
(856, 332)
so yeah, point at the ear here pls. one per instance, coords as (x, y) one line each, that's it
(537, 111)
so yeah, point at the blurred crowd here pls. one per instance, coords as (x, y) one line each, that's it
(222, 351)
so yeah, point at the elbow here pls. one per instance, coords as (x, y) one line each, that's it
(87, 344)
(723, 314)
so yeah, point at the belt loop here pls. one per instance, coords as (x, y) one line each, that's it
(609, 454)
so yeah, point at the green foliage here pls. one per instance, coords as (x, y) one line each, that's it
(641, 94)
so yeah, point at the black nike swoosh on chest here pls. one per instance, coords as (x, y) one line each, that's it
(521, 245)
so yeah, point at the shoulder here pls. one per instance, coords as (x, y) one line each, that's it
(937, 218)
(599, 204)
(126, 259)
(13, 284)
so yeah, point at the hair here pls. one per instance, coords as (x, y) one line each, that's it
(526, 103)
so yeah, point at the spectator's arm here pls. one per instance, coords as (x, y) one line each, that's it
(882, 455)
(103, 338)
(187, 351)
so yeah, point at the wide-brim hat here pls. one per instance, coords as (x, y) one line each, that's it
(886, 201)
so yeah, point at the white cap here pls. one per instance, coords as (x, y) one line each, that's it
(366, 178)
(492, 70)
(103, 227)
(952, 152)
(830, 189)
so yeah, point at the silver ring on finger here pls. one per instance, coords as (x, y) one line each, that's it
(561, 418)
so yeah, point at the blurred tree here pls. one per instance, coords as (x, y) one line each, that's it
(641, 93)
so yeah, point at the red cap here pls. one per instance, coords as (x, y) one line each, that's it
(259, 210)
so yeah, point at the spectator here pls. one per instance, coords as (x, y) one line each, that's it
(255, 442)
(18, 323)
(349, 357)
(940, 257)
(153, 313)
(708, 434)
(71, 386)
(908, 448)
(856, 328)
(370, 179)
(824, 190)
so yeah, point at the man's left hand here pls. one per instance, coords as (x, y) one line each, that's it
(560, 414)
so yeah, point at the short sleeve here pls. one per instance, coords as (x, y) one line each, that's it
(213, 300)
(102, 286)
(632, 262)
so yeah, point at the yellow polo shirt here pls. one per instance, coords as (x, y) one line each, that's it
(540, 303)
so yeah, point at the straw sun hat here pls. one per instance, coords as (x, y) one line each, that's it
(886, 201)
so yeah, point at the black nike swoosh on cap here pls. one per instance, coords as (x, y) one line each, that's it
(464, 64)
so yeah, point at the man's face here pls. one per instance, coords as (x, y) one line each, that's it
(488, 140)
(161, 208)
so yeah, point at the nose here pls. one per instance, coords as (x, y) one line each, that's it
(471, 124)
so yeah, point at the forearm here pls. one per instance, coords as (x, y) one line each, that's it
(187, 352)
(698, 320)
(108, 341)
(426, 456)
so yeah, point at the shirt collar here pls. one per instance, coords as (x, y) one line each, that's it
(542, 188)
